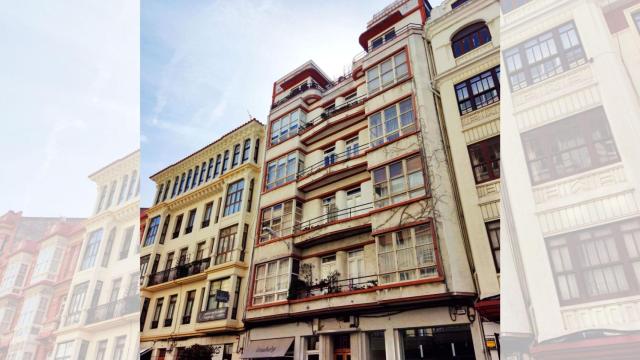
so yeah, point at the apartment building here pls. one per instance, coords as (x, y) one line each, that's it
(197, 246)
(37, 257)
(464, 59)
(570, 121)
(360, 252)
(99, 320)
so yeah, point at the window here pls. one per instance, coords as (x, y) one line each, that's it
(200, 251)
(493, 231)
(597, 263)
(444, 342)
(159, 193)
(226, 245)
(312, 347)
(112, 190)
(216, 171)
(188, 307)
(376, 345)
(187, 186)
(214, 287)
(91, 249)
(64, 351)
(175, 190)
(168, 262)
(118, 348)
(103, 194)
(165, 227)
(577, 144)
(209, 168)
(250, 196)
(283, 170)
(144, 264)
(388, 72)
(166, 190)
(123, 188)
(457, 3)
(202, 172)
(168, 319)
(206, 217)
(177, 226)
(287, 126)
(101, 350)
(191, 218)
(485, 159)
(479, 91)
(196, 174)
(246, 150)
(181, 188)
(280, 219)
(74, 311)
(391, 123)
(143, 312)
(544, 56)
(352, 147)
(469, 38)
(407, 254)
(236, 156)
(126, 243)
(151, 231)
(108, 247)
(272, 280)
(509, 5)
(399, 181)
(256, 151)
(236, 297)
(225, 162)
(234, 198)
(156, 314)
(47, 264)
(388, 36)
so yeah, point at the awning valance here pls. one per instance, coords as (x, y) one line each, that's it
(269, 348)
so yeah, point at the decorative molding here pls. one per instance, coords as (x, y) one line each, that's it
(490, 189)
(490, 210)
(617, 313)
(491, 112)
(482, 131)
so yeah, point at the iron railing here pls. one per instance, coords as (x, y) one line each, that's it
(114, 309)
(334, 215)
(328, 113)
(329, 160)
(179, 272)
(297, 91)
(332, 286)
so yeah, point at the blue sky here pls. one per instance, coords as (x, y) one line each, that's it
(207, 65)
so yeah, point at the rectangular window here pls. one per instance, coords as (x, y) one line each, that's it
(209, 169)
(174, 192)
(191, 218)
(216, 171)
(256, 151)
(493, 231)
(391, 123)
(196, 174)
(544, 56)
(76, 303)
(151, 231)
(399, 181)
(158, 195)
(126, 243)
(387, 72)
(283, 170)
(287, 126)
(479, 91)
(246, 150)
(214, 287)
(64, 351)
(485, 159)
(225, 162)
(118, 348)
(379, 41)
(202, 172)
(168, 319)
(280, 219)
(236, 156)
(168, 262)
(226, 245)
(156, 314)
(187, 185)
(444, 342)
(181, 188)
(165, 228)
(598, 263)
(407, 254)
(188, 307)
(91, 250)
(101, 350)
(234, 198)
(571, 146)
(177, 227)
(272, 280)
(206, 217)
(376, 345)
(236, 297)
(143, 312)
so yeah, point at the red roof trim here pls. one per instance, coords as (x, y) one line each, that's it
(378, 28)
(308, 72)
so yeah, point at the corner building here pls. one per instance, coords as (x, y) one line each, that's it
(196, 247)
(360, 252)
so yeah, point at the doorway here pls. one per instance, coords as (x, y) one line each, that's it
(342, 347)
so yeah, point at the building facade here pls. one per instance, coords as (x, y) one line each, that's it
(197, 246)
(37, 258)
(570, 122)
(464, 58)
(99, 319)
(360, 252)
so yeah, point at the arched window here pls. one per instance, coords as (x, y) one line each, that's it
(469, 38)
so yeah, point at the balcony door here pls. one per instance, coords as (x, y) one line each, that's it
(328, 266)
(354, 199)
(329, 208)
(355, 266)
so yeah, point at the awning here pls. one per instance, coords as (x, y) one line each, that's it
(267, 348)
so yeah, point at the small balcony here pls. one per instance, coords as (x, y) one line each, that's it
(332, 168)
(303, 88)
(334, 224)
(331, 286)
(113, 310)
(179, 272)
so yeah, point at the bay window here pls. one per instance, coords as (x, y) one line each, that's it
(283, 170)
(479, 91)
(407, 254)
(399, 181)
(387, 72)
(287, 126)
(544, 56)
(226, 245)
(272, 280)
(485, 159)
(234, 198)
(570, 146)
(280, 219)
(391, 123)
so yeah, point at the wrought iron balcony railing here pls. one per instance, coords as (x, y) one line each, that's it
(329, 160)
(114, 309)
(179, 272)
(297, 91)
(302, 290)
(333, 215)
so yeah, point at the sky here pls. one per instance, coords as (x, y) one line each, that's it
(206, 66)
(69, 100)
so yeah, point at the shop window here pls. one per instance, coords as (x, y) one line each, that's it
(445, 342)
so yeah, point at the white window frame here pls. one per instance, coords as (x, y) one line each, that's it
(393, 67)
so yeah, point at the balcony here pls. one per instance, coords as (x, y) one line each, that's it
(333, 159)
(301, 290)
(333, 120)
(113, 310)
(334, 224)
(314, 86)
(331, 112)
(179, 272)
